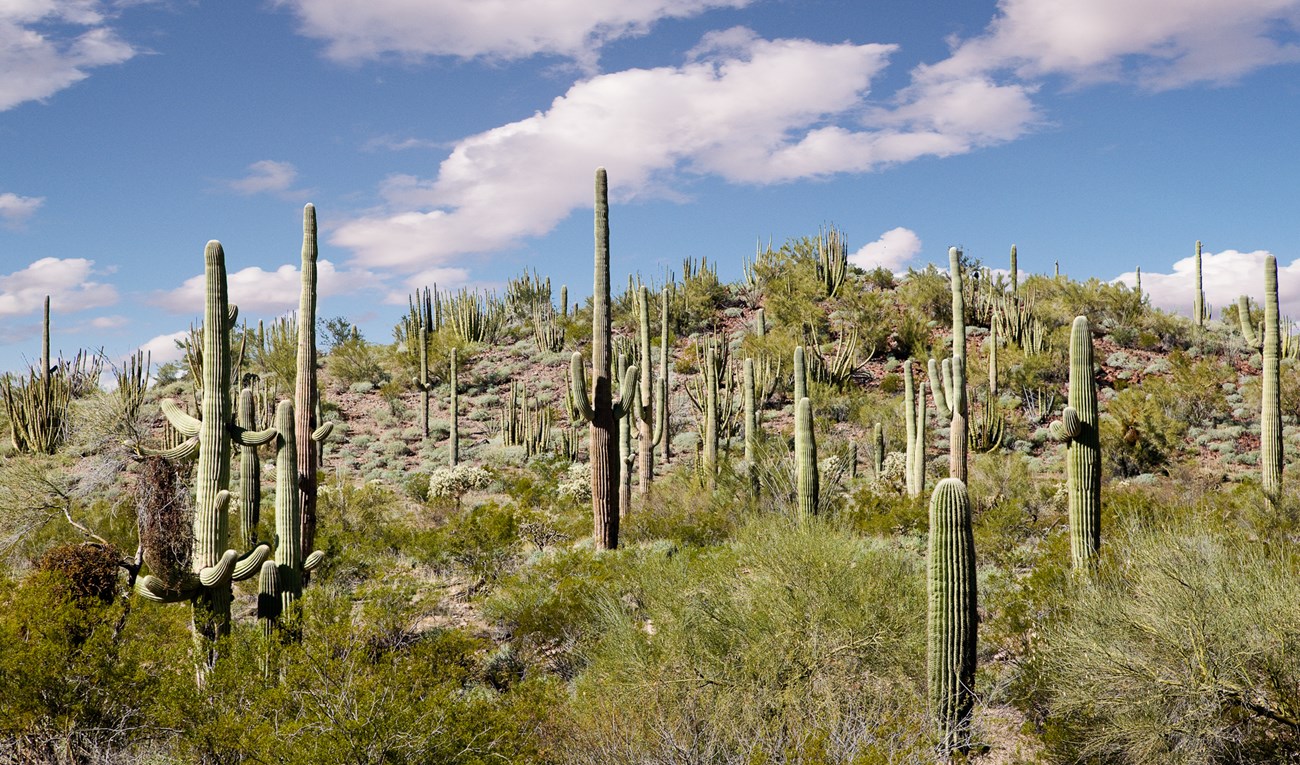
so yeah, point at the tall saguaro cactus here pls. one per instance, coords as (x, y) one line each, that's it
(914, 413)
(949, 381)
(652, 405)
(601, 410)
(250, 471)
(951, 620)
(805, 455)
(308, 431)
(453, 435)
(281, 581)
(1198, 301)
(419, 323)
(1078, 426)
(1270, 435)
(213, 565)
(1015, 273)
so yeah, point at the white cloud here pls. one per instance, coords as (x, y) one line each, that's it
(266, 177)
(68, 282)
(393, 143)
(891, 251)
(109, 322)
(256, 291)
(1158, 43)
(15, 210)
(746, 109)
(162, 348)
(500, 29)
(1224, 276)
(47, 45)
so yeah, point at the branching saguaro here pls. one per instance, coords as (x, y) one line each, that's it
(600, 409)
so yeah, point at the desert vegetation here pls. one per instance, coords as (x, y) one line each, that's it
(817, 515)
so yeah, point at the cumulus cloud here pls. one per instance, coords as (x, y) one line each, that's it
(47, 45)
(749, 110)
(257, 291)
(1157, 43)
(891, 251)
(162, 348)
(16, 210)
(68, 281)
(499, 29)
(266, 177)
(1224, 276)
(109, 322)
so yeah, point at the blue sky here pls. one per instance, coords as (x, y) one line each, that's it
(455, 142)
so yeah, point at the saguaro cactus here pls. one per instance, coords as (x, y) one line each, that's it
(951, 621)
(914, 413)
(213, 566)
(878, 438)
(1078, 426)
(250, 472)
(805, 455)
(1015, 273)
(308, 430)
(601, 410)
(1270, 435)
(1198, 301)
(419, 323)
(281, 581)
(949, 383)
(453, 435)
(652, 400)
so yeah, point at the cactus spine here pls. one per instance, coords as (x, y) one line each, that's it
(601, 410)
(308, 430)
(1198, 301)
(1270, 438)
(213, 566)
(805, 452)
(1079, 427)
(952, 621)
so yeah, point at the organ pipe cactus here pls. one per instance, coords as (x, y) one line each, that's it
(600, 409)
(712, 395)
(805, 454)
(281, 581)
(38, 407)
(210, 436)
(1270, 435)
(1078, 426)
(832, 260)
(951, 620)
(309, 431)
(419, 323)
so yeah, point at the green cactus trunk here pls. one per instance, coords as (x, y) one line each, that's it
(305, 392)
(1078, 426)
(800, 375)
(250, 473)
(650, 406)
(662, 418)
(601, 410)
(751, 425)
(878, 438)
(952, 620)
(805, 454)
(453, 435)
(909, 419)
(1198, 301)
(993, 356)
(1270, 437)
(1015, 273)
(956, 393)
(625, 455)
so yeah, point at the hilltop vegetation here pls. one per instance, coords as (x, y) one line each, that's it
(765, 595)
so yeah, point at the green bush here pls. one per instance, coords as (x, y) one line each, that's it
(1181, 650)
(789, 645)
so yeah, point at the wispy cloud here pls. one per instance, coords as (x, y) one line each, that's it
(1158, 44)
(1224, 276)
(393, 143)
(16, 210)
(496, 29)
(47, 45)
(746, 109)
(68, 281)
(257, 291)
(891, 251)
(267, 176)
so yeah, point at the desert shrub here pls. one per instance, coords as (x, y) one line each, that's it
(792, 290)
(877, 507)
(341, 695)
(677, 509)
(479, 544)
(355, 361)
(1141, 430)
(82, 572)
(928, 293)
(1181, 650)
(790, 645)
